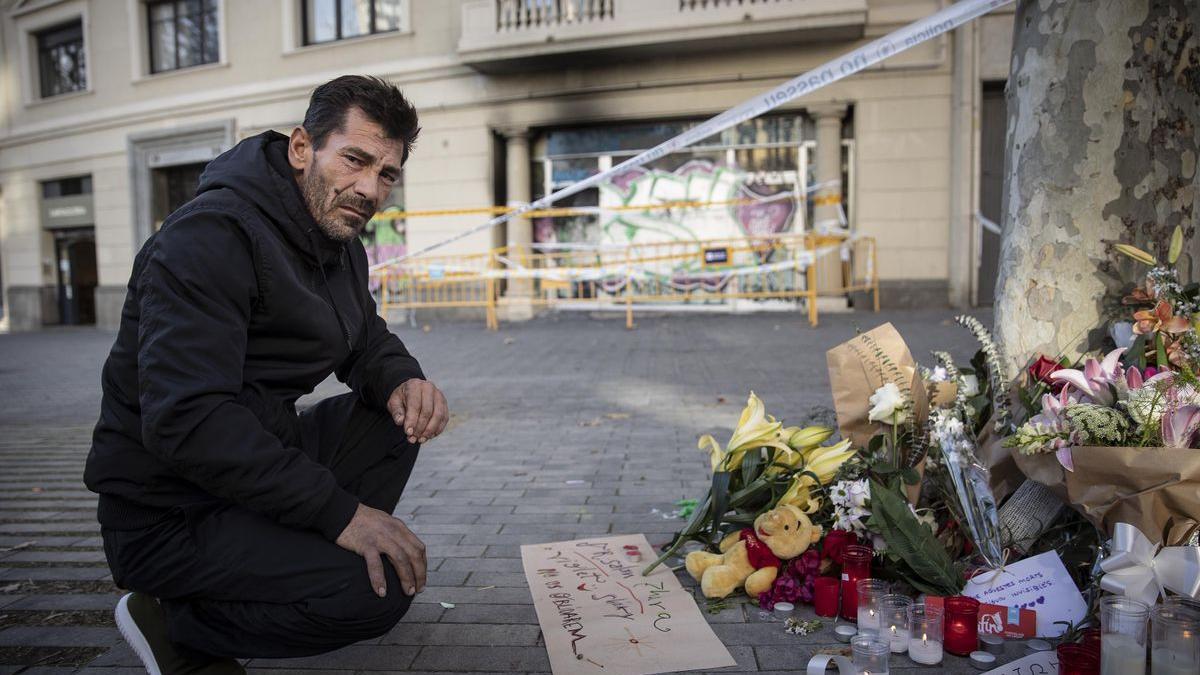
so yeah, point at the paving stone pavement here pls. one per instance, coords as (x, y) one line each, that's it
(563, 427)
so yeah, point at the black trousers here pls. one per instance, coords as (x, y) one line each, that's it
(237, 584)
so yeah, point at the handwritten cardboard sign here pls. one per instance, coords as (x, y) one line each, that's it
(1038, 663)
(1040, 583)
(599, 615)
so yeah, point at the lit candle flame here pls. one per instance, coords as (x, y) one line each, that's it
(924, 640)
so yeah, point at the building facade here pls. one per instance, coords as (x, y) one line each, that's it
(111, 108)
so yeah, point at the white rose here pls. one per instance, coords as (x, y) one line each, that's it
(970, 385)
(938, 374)
(887, 405)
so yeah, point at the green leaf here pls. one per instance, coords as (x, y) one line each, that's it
(875, 444)
(910, 476)
(720, 499)
(1136, 356)
(882, 468)
(751, 461)
(912, 541)
(741, 519)
(1176, 245)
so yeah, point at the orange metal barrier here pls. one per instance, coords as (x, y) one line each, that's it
(678, 273)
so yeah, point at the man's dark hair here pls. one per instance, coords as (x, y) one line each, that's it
(380, 101)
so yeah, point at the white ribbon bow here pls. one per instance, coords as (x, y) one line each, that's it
(1140, 570)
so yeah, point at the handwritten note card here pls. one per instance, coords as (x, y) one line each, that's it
(599, 615)
(1040, 583)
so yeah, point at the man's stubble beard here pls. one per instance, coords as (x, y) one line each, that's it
(323, 205)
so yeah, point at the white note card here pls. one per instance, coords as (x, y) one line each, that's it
(1040, 583)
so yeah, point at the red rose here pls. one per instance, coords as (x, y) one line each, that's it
(835, 543)
(1042, 368)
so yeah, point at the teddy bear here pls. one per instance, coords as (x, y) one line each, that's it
(751, 557)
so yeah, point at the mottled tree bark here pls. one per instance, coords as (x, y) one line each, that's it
(1103, 108)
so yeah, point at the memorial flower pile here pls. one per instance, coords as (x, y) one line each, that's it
(928, 453)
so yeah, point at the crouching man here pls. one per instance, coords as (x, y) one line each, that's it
(242, 528)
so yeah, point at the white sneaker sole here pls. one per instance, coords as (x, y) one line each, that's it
(133, 635)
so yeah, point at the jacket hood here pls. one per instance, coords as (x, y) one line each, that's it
(257, 169)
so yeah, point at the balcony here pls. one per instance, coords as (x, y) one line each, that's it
(505, 36)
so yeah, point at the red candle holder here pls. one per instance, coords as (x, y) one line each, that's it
(856, 564)
(961, 625)
(1078, 659)
(1091, 639)
(825, 596)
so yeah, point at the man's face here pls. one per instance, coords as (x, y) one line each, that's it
(345, 181)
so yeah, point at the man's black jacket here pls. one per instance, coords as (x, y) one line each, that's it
(236, 307)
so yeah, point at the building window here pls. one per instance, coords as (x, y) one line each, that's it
(183, 33)
(329, 20)
(61, 64)
(67, 187)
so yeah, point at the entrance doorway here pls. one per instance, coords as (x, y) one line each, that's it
(173, 186)
(75, 259)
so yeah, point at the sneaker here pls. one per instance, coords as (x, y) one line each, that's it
(143, 624)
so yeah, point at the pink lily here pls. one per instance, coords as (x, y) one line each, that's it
(1097, 379)
(1179, 426)
(1053, 406)
(1133, 378)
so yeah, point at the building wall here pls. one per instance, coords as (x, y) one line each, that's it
(901, 119)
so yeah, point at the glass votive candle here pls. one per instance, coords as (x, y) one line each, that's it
(870, 654)
(1123, 636)
(1076, 658)
(825, 596)
(893, 621)
(870, 593)
(960, 625)
(1175, 640)
(856, 564)
(925, 635)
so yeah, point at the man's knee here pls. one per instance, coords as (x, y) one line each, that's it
(360, 614)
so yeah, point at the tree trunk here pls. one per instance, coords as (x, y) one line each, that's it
(1103, 103)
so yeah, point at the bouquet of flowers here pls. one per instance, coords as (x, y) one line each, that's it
(1118, 437)
(920, 496)
(764, 465)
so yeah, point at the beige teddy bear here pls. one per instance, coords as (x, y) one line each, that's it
(751, 557)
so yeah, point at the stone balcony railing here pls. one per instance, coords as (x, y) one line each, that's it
(513, 35)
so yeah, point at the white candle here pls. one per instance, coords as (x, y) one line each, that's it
(1121, 655)
(1165, 661)
(925, 651)
(899, 639)
(868, 621)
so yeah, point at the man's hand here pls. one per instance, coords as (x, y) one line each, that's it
(420, 408)
(372, 533)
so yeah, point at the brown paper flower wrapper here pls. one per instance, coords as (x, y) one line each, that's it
(1156, 490)
(855, 373)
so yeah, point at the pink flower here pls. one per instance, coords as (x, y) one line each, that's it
(1097, 380)
(1179, 426)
